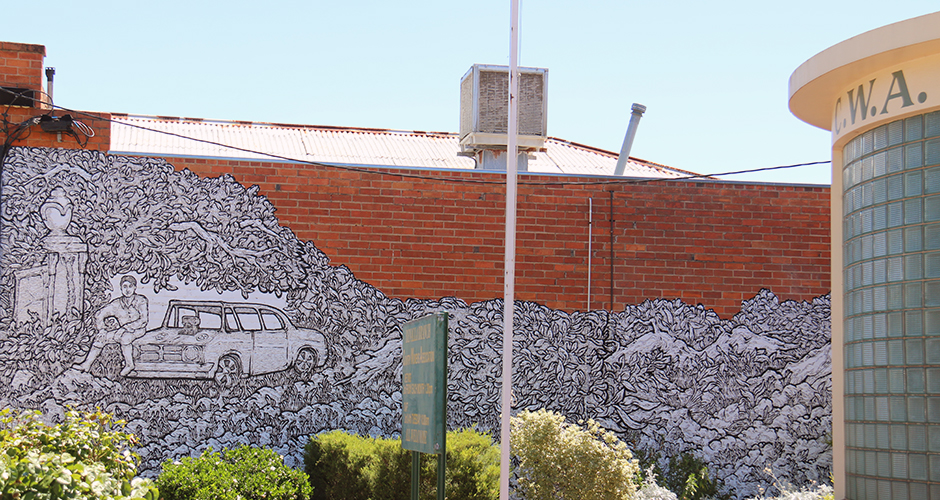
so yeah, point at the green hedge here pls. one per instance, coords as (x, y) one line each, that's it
(243, 473)
(345, 466)
(336, 463)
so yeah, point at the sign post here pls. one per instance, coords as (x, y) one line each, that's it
(424, 394)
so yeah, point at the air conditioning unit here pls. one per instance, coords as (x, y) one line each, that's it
(484, 108)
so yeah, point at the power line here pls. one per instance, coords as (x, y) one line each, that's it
(374, 171)
(688, 177)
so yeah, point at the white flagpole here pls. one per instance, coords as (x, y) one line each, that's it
(510, 262)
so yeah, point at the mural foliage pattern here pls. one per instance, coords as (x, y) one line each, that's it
(743, 394)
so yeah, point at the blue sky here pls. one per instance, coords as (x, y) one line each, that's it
(713, 75)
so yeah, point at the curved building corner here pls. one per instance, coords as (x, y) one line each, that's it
(879, 95)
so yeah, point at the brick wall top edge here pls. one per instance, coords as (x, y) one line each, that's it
(23, 47)
(598, 182)
(83, 116)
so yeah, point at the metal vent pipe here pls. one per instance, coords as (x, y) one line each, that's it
(638, 110)
(50, 75)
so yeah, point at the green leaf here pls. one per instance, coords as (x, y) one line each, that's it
(65, 477)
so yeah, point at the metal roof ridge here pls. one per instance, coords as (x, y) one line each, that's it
(177, 119)
(119, 117)
(667, 167)
(658, 166)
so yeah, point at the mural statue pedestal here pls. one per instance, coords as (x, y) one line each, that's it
(65, 264)
(57, 286)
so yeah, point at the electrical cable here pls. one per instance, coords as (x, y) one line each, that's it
(84, 129)
(22, 94)
(373, 171)
(25, 94)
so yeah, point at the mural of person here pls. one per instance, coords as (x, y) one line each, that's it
(122, 321)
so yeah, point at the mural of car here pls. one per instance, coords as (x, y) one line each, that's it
(226, 341)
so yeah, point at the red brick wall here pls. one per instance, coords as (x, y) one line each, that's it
(37, 138)
(709, 243)
(21, 66)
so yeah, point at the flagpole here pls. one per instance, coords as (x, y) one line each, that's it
(510, 258)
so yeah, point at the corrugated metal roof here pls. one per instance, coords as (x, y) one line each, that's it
(154, 135)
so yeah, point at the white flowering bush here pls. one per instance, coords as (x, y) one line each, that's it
(650, 490)
(563, 461)
(814, 492)
(789, 492)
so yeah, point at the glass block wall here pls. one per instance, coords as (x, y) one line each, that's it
(891, 245)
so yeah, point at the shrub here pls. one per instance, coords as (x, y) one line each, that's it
(687, 475)
(242, 473)
(789, 492)
(472, 466)
(471, 469)
(815, 492)
(558, 460)
(346, 466)
(335, 462)
(390, 472)
(650, 490)
(86, 456)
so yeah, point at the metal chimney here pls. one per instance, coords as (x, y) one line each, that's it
(50, 75)
(638, 110)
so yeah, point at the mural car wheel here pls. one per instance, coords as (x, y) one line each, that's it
(306, 362)
(229, 370)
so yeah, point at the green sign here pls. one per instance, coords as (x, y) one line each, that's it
(424, 384)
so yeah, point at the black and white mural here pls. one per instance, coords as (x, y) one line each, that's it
(180, 304)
